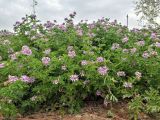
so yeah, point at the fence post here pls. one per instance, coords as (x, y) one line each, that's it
(127, 20)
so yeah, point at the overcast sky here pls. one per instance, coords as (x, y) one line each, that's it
(13, 10)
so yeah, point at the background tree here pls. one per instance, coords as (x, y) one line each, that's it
(149, 12)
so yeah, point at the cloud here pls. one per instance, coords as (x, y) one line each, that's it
(13, 10)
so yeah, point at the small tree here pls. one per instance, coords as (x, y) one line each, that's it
(149, 11)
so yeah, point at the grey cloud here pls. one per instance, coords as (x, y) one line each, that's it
(12, 10)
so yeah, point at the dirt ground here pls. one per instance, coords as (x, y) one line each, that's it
(91, 111)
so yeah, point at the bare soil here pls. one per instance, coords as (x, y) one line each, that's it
(91, 111)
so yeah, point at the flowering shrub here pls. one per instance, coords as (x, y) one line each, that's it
(60, 66)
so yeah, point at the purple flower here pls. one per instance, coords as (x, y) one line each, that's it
(10, 50)
(100, 59)
(138, 75)
(125, 51)
(103, 70)
(115, 46)
(63, 67)
(154, 53)
(140, 43)
(55, 82)
(12, 78)
(133, 50)
(33, 98)
(33, 16)
(26, 50)
(80, 32)
(98, 93)
(74, 78)
(84, 62)
(27, 79)
(157, 44)
(71, 53)
(49, 25)
(70, 48)
(121, 74)
(91, 35)
(153, 35)
(91, 26)
(127, 85)
(17, 24)
(2, 65)
(62, 27)
(14, 56)
(145, 54)
(46, 60)
(47, 51)
(125, 40)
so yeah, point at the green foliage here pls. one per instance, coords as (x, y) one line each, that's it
(136, 106)
(152, 101)
(60, 66)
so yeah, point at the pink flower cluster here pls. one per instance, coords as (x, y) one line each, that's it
(103, 70)
(133, 50)
(98, 93)
(27, 79)
(121, 74)
(2, 65)
(23, 78)
(154, 53)
(46, 60)
(125, 40)
(100, 59)
(138, 75)
(125, 50)
(63, 67)
(62, 27)
(26, 50)
(70, 48)
(71, 53)
(14, 56)
(80, 32)
(74, 78)
(55, 82)
(115, 46)
(127, 85)
(140, 43)
(157, 44)
(145, 54)
(153, 35)
(47, 51)
(84, 62)
(33, 98)
(12, 78)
